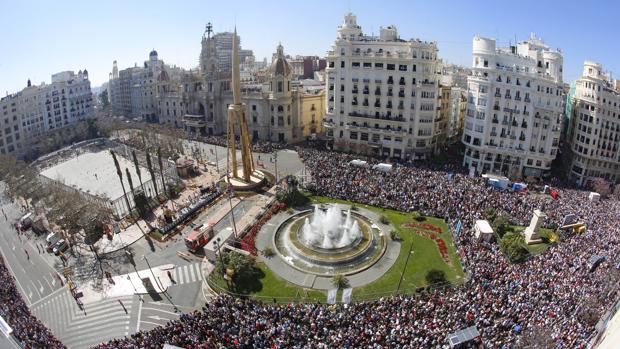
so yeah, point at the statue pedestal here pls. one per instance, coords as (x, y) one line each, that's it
(531, 232)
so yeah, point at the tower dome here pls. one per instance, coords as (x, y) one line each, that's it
(280, 65)
(153, 54)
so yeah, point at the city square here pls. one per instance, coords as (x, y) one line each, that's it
(459, 190)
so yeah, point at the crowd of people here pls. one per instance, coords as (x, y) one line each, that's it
(27, 329)
(257, 146)
(551, 300)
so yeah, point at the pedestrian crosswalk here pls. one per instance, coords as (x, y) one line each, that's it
(83, 328)
(186, 274)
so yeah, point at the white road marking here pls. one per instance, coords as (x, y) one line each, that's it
(41, 288)
(139, 314)
(157, 318)
(163, 311)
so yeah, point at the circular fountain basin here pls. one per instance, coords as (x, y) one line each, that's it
(357, 255)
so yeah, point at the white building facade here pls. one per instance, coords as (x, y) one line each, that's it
(382, 93)
(594, 129)
(29, 115)
(514, 108)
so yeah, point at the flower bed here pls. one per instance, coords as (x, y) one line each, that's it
(248, 243)
(424, 226)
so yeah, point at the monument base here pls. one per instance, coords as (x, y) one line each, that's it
(531, 237)
(257, 180)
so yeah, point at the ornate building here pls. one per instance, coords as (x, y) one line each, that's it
(515, 102)
(278, 109)
(383, 93)
(594, 129)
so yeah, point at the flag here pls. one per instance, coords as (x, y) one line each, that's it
(458, 227)
(331, 296)
(346, 295)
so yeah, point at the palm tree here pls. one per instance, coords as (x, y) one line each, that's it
(161, 170)
(340, 281)
(120, 177)
(149, 165)
(135, 162)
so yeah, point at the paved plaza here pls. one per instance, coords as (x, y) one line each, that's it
(95, 174)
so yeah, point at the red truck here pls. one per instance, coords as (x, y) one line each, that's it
(199, 237)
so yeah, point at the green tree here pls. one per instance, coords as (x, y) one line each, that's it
(435, 277)
(290, 194)
(513, 245)
(120, 177)
(149, 165)
(489, 214)
(501, 224)
(340, 281)
(137, 165)
(161, 170)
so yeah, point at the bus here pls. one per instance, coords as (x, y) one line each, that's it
(199, 236)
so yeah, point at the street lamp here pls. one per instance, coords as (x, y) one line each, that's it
(216, 243)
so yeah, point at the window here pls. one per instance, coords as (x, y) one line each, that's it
(367, 65)
(279, 86)
(355, 64)
(379, 65)
(402, 67)
(341, 64)
(391, 66)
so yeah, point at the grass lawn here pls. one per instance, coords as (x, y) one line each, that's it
(425, 254)
(270, 285)
(537, 248)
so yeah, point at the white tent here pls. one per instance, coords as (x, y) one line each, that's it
(483, 230)
(358, 163)
(594, 196)
(382, 167)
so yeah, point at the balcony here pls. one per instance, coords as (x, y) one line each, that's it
(377, 92)
(365, 91)
(526, 99)
(495, 121)
(390, 81)
(498, 95)
(496, 107)
(517, 98)
(526, 113)
(377, 117)
(401, 94)
(354, 91)
(193, 120)
(493, 134)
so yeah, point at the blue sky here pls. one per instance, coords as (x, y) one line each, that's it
(39, 38)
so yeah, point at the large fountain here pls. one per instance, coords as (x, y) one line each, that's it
(328, 230)
(328, 240)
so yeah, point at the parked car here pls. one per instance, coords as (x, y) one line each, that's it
(52, 242)
(50, 237)
(61, 246)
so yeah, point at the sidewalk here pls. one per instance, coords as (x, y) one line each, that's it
(126, 284)
(124, 238)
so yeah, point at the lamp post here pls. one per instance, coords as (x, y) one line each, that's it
(402, 274)
(216, 243)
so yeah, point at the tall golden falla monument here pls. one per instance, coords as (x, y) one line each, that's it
(236, 116)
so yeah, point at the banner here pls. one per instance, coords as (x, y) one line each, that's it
(459, 224)
(331, 296)
(346, 295)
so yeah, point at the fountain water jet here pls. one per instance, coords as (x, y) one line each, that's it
(327, 229)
